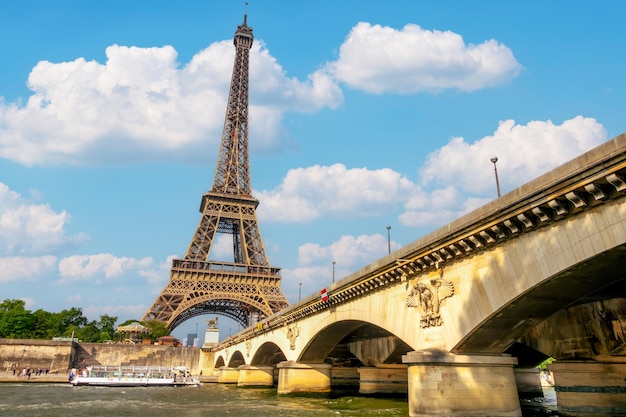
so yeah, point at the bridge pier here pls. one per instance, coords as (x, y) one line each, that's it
(206, 361)
(383, 379)
(344, 378)
(443, 384)
(590, 388)
(528, 382)
(294, 377)
(227, 375)
(255, 376)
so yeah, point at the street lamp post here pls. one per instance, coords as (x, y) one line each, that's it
(334, 272)
(388, 239)
(300, 292)
(494, 159)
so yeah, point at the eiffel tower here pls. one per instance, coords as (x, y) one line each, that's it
(247, 289)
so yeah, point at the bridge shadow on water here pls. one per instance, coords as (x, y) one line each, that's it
(541, 406)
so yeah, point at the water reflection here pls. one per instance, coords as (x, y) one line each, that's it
(52, 400)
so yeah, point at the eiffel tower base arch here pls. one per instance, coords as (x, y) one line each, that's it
(244, 293)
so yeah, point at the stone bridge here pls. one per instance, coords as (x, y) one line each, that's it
(459, 319)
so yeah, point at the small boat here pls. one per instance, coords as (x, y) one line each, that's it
(133, 376)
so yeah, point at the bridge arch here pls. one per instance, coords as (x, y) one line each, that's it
(528, 294)
(219, 362)
(354, 343)
(268, 354)
(236, 359)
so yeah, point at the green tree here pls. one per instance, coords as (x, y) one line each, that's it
(10, 305)
(19, 323)
(72, 318)
(70, 322)
(86, 333)
(544, 365)
(43, 325)
(106, 324)
(98, 331)
(158, 328)
(15, 321)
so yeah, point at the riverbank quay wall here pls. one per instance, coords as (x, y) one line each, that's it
(56, 356)
(60, 356)
(87, 354)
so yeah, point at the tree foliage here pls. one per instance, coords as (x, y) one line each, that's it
(158, 328)
(16, 322)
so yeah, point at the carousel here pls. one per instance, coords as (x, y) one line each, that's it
(131, 333)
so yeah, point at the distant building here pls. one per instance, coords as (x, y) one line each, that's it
(168, 341)
(191, 339)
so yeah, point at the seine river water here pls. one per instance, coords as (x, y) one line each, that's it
(57, 400)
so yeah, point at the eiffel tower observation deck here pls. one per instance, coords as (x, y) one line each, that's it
(247, 289)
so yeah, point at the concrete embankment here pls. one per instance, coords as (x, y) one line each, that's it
(50, 378)
(60, 356)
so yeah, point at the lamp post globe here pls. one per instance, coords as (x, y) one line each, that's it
(493, 160)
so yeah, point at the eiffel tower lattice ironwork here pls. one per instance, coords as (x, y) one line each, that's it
(248, 287)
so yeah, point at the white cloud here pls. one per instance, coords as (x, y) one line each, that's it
(82, 267)
(335, 191)
(432, 208)
(6, 195)
(440, 213)
(315, 268)
(455, 179)
(29, 268)
(74, 299)
(524, 152)
(29, 303)
(222, 249)
(140, 106)
(157, 277)
(381, 59)
(270, 85)
(30, 228)
(312, 278)
(348, 252)
(465, 174)
(122, 312)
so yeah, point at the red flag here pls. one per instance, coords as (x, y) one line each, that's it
(324, 295)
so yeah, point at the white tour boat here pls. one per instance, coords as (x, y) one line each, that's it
(133, 376)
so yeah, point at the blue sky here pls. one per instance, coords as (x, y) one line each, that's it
(364, 114)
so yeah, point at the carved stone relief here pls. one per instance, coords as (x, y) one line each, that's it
(292, 334)
(427, 294)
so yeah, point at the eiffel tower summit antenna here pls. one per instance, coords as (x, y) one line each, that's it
(248, 288)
